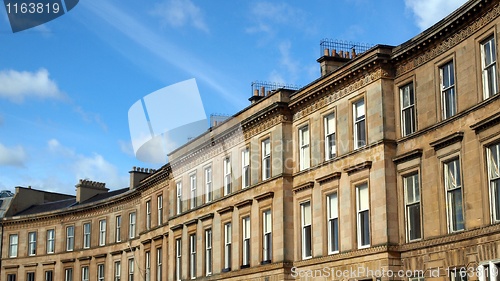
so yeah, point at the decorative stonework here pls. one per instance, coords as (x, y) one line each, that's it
(448, 140)
(265, 125)
(450, 42)
(341, 92)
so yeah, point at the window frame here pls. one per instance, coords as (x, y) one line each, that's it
(178, 205)
(192, 256)
(267, 236)
(330, 134)
(132, 221)
(117, 270)
(227, 175)
(102, 232)
(193, 188)
(101, 272)
(68, 274)
(32, 236)
(408, 88)
(304, 147)
(227, 246)
(85, 273)
(70, 239)
(13, 245)
(87, 236)
(332, 223)
(178, 259)
(51, 241)
(488, 86)
(147, 265)
(131, 264)
(359, 123)
(493, 172)
(159, 264)
(448, 66)
(246, 243)
(208, 252)
(245, 167)
(266, 158)
(361, 231)
(208, 184)
(452, 216)
(148, 214)
(159, 206)
(416, 192)
(306, 230)
(118, 226)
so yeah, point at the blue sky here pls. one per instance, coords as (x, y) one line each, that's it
(66, 86)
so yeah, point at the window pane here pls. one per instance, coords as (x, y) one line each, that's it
(307, 241)
(363, 199)
(364, 228)
(414, 231)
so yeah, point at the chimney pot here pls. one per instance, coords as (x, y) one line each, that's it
(256, 92)
(262, 91)
(334, 53)
(326, 52)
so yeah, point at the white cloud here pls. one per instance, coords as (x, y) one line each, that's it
(290, 69)
(12, 156)
(178, 13)
(268, 16)
(429, 12)
(94, 167)
(126, 147)
(17, 86)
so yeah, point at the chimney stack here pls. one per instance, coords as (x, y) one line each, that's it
(86, 189)
(329, 64)
(138, 174)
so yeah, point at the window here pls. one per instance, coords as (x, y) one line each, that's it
(359, 127)
(448, 97)
(148, 266)
(266, 159)
(227, 176)
(48, 275)
(227, 246)
(68, 274)
(118, 229)
(245, 168)
(102, 232)
(407, 98)
(13, 242)
(70, 238)
(305, 218)
(246, 241)
(86, 235)
(363, 215)
(158, 264)
(208, 252)
(118, 270)
(159, 203)
(100, 272)
(50, 241)
(267, 237)
(131, 270)
(487, 271)
(304, 155)
(330, 140)
(30, 276)
(453, 186)
(192, 256)
(493, 155)
(11, 277)
(192, 180)
(179, 197)
(85, 273)
(412, 201)
(32, 243)
(488, 64)
(178, 259)
(332, 223)
(131, 225)
(148, 214)
(208, 184)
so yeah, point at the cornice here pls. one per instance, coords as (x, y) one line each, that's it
(358, 167)
(264, 196)
(486, 123)
(448, 140)
(446, 44)
(190, 222)
(410, 155)
(304, 186)
(49, 263)
(225, 210)
(334, 91)
(329, 177)
(206, 217)
(243, 203)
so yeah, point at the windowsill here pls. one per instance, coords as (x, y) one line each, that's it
(333, 253)
(364, 247)
(226, 269)
(307, 258)
(265, 262)
(245, 266)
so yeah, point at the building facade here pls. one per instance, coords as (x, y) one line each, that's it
(384, 168)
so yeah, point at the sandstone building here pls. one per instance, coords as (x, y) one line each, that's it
(384, 168)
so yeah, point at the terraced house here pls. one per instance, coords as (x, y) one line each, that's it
(384, 168)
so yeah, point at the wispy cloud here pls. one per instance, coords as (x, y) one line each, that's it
(89, 117)
(267, 17)
(12, 156)
(17, 86)
(290, 68)
(157, 45)
(179, 13)
(428, 12)
(126, 147)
